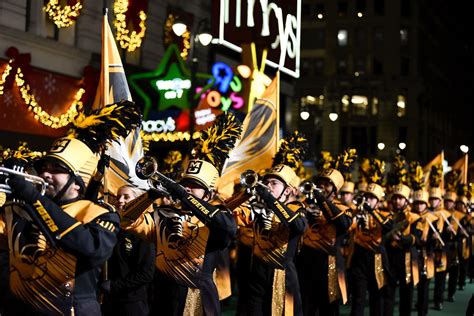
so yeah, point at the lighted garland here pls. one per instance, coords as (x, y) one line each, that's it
(63, 16)
(127, 40)
(169, 36)
(167, 137)
(39, 114)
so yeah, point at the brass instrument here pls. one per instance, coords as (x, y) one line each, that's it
(249, 179)
(6, 172)
(147, 169)
(362, 216)
(308, 188)
(397, 229)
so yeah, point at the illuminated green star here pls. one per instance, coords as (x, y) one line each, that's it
(168, 85)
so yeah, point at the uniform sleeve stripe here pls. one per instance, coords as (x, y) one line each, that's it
(67, 231)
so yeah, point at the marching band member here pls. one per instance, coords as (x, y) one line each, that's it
(278, 224)
(59, 241)
(400, 245)
(462, 204)
(452, 182)
(445, 229)
(426, 234)
(327, 223)
(130, 268)
(368, 264)
(190, 233)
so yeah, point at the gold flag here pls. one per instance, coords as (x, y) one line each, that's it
(259, 141)
(462, 166)
(437, 160)
(113, 87)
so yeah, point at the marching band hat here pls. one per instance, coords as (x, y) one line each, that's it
(211, 150)
(421, 196)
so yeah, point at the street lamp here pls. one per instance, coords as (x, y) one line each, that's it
(402, 146)
(464, 148)
(304, 114)
(381, 146)
(203, 36)
(333, 116)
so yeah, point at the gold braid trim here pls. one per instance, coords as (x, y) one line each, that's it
(278, 294)
(407, 267)
(193, 306)
(332, 279)
(379, 272)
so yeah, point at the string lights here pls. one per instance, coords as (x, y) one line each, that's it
(128, 40)
(168, 137)
(169, 37)
(63, 16)
(39, 114)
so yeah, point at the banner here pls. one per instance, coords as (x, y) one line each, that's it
(437, 160)
(113, 87)
(462, 166)
(259, 142)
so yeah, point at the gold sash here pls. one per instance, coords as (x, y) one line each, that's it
(414, 271)
(407, 267)
(278, 295)
(430, 266)
(332, 279)
(193, 306)
(379, 272)
(465, 249)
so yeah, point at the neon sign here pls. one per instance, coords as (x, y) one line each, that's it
(174, 88)
(204, 116)
(167, 86)
(277, 21)
(160, 126)
(226, 86)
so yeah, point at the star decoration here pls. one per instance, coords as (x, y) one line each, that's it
(168, 85)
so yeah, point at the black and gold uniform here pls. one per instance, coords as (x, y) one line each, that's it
(57, 274)
(464, 241)
(458, 247)
(400, 245)
(440, 251)
(273, 283)
(244, 218)
(427, 237)
(369, 261)
(58, 242)
(187, 242)
(188, 235)
(327, 223)
(275, 217)
(131, 269)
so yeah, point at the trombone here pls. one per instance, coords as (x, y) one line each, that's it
(6, 172)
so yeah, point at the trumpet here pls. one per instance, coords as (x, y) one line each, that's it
(147, 169)
(307, 187)
(362, 216)
(6, 172)
(249, 179)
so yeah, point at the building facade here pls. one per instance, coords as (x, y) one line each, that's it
(386, 68)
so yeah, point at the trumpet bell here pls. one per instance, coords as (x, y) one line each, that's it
(306, 187)
(249, 179)
(146, 167)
